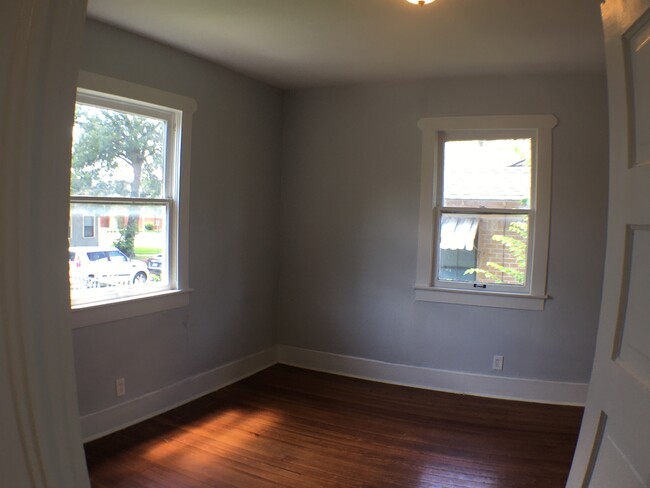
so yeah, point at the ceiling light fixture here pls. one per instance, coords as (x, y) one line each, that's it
(420, 2)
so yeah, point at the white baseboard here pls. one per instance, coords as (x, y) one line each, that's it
(435, 379)
(99, 424)
(104, 422)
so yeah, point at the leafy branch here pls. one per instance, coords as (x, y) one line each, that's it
(517, 245)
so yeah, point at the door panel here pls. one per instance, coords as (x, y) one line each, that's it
(613, 469)
(637, 58)
(633, 342)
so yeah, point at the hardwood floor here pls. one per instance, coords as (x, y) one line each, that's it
(295, 428)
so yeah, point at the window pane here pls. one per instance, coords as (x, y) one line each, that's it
(117, 154)
(117, 256)
(489, 249)
(127, 255)
(487, 173)
(454, 263)
(89, 226)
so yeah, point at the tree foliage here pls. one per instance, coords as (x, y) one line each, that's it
(117, 154)
(517, 245)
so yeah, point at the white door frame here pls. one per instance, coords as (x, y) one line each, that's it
(40, 437)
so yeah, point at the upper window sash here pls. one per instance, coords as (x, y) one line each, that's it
(172, 117)
(484, 135)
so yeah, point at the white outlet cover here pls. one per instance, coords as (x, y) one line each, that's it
(120, 387)
(497, 363)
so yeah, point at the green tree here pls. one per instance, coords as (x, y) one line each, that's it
(517, 245)
(117, 154)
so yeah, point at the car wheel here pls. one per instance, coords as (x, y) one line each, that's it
(139, 278)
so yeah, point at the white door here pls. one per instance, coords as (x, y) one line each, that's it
(614, 445)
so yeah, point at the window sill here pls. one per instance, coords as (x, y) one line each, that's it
(480, 298)
(124, 308)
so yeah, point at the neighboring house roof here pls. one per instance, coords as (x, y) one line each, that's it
(487, 170)
(487, 184)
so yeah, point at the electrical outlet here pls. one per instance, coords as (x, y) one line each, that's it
(497, 363)
(120, 387)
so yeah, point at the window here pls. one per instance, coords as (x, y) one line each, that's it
(484, 210)
(128, 195)
(89, 226)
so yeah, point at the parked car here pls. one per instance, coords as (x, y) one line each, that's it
(154, 264)
(104, 266)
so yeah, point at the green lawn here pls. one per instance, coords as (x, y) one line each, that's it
(148, 243)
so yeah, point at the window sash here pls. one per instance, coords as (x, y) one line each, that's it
(173, 117)
(78, 299)
(490, 287)
(486, 135)
(439, 208)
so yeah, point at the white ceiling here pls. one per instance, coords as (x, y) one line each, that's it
(299, 43)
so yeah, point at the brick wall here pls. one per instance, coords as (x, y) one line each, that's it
(490, 250)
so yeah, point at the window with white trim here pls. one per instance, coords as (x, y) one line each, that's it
(485, 210)
(128, 195)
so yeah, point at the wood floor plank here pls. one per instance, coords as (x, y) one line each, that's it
(288, 427)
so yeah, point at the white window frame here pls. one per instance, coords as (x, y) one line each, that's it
(178, 111)
(437, 130)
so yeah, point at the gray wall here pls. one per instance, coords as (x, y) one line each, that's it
(233, 227)
(350, 188)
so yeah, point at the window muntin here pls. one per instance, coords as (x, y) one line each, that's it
(444, 257)
(124, 175)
